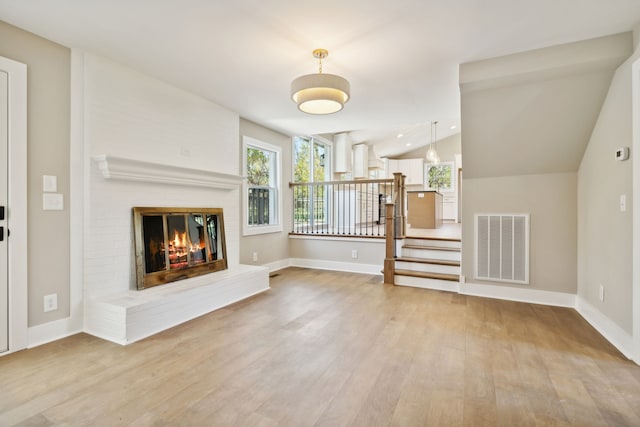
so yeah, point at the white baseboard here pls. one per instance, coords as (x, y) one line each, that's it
(52, 331)
(278, 265)
(350, 267)
(534, 296)
(617, 336)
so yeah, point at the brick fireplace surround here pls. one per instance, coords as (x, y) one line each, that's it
(114, 309)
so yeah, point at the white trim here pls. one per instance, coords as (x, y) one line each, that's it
(380, 240)
(606, 327)
(278, 265)
(52, 331)
(78, 179)
(261, 229)
(635, 154)
(17, 206)
(113, 167)
(528, 295)
(350, 267)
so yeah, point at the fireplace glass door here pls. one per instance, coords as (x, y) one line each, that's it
(177, 243)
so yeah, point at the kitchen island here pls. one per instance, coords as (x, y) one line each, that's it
(424, 209)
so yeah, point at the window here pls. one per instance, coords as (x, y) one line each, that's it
(311, 160)
(311, 163)
(439, 177)
(263, 204)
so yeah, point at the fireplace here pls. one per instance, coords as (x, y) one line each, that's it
(177, 243)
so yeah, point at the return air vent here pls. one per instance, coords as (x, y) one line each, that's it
(502, 247)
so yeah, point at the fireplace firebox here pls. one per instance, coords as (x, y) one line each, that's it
(177, 243)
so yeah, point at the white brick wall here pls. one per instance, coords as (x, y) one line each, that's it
(130, 115)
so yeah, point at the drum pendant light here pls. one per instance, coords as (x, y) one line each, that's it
(320, 93)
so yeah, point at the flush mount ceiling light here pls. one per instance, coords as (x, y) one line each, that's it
(320, 93)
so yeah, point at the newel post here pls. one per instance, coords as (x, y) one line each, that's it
(400, 207)
(389, 258)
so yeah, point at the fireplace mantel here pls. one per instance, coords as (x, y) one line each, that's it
(121, 168)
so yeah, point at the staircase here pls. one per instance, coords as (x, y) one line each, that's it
(431, 263)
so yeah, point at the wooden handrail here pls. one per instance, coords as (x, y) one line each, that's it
(353, 181)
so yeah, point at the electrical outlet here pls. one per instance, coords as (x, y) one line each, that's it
(255, 256)
(50, 302)
(354, 254)
(601, 294)
(623, 203)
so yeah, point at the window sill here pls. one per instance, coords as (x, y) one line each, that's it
(264, 229)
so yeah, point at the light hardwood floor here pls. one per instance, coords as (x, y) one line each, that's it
(335, 349)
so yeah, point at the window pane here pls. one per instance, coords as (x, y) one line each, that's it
(320, 162)
(178, 243)
(262, 193)
(259, 164)
(301, 165)
(153, 235)
(198, 246)
(215, 244)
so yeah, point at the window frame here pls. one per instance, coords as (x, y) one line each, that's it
(277, 226)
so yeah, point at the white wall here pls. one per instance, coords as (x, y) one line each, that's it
(336, 254)
(131, 115)
(550, 199)
(48, 70)
(604, 233)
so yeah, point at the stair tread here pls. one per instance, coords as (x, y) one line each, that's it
(436, 248)
(445, 239)
(429, 261)
(439, 276)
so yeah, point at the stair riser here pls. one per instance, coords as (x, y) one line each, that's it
(428, 268)
(419, 282)
(437, 243)
(431, 254)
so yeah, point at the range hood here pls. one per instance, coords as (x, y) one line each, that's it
(375, 162)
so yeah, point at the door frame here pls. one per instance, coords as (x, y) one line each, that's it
(17, 204)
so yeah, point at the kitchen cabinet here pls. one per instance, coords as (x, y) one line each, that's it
(361, 161)
(449, 209)
(413, 169)
(342, 153)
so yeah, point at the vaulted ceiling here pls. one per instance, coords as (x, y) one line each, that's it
(401, 56)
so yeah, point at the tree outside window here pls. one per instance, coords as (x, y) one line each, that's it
(439, 177)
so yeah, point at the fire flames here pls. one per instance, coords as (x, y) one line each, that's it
(178, 250)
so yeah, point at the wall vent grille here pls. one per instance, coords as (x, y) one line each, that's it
(502, 247)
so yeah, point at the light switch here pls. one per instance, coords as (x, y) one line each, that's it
(623, 203)
(49, 183)
(52, 202)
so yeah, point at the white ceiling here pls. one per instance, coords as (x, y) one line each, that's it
(401, 56)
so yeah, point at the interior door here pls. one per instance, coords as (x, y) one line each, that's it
(4, 282)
